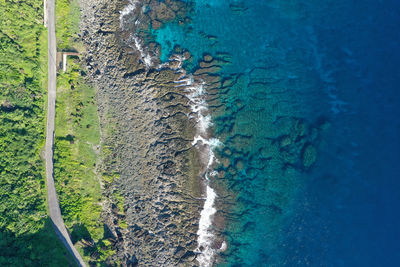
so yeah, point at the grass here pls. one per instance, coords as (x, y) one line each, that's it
(78, 148)
(76, 154)
(67, 24)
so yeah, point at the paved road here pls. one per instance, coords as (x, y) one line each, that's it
(54, 206)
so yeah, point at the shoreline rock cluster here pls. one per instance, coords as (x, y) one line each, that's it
(147, 140)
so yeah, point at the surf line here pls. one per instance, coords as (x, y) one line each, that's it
(196, 94)
(134, 41)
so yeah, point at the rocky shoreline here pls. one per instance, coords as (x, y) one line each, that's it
(147, 141)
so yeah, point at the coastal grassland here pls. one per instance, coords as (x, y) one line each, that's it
(26, 234)
(67, 24)
(76, 154)
(78, 150)
(77, 144)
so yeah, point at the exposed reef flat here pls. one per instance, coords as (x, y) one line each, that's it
(147, 140)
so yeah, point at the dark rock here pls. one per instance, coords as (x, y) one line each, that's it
(132, 261)
(309, 155)
(147, 134)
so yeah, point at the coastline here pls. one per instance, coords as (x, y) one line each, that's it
(205, 144)
(156, 163)
(194, 133)
(165, 166)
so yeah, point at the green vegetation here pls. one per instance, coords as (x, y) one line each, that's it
(67, 24)
(78, 148)
(26, 234)
(77, 145)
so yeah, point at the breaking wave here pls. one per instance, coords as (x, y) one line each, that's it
(196, 93)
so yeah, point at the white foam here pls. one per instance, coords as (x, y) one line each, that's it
(126, 11)
(198, 104)
(196, 94)
(223, 247)
(147, 60)
(211, 144)
(213, 173)
(205, 236)
(204, 123)
(145, 56)
(129, 8)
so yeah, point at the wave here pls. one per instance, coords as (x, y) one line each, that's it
(134, 39)
(131, 6)
(146, 58)
(196, 94)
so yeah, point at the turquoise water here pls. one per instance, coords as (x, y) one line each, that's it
(310, 127)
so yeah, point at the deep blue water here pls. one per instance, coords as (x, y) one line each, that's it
(320, 74)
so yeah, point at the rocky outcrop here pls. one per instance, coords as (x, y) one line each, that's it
(146, 133)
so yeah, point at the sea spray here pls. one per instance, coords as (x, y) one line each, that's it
(196, 94)
(205, 236)
(134, 38)
(126, 11)
(146, 58)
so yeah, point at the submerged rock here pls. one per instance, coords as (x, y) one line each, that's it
(309, 155)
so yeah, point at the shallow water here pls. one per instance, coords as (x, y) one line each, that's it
(310, 127)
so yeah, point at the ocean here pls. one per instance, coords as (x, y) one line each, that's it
(304, 130)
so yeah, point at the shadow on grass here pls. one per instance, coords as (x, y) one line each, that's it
(42, 248)
(93, 250)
